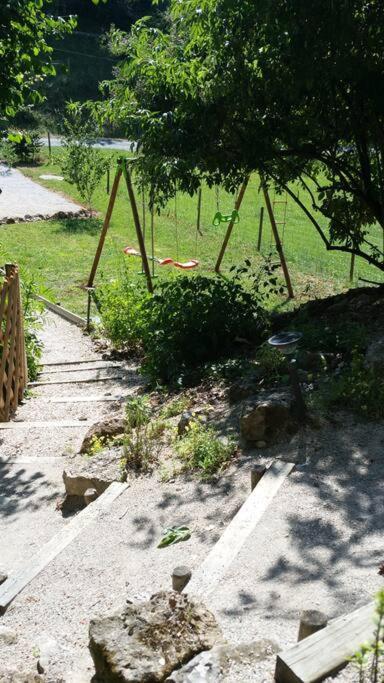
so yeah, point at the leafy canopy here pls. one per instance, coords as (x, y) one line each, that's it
(294, 90)
(25, 55)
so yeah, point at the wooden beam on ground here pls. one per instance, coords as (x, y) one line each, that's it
(62, 312)
(70, 362)
(84, 399)
(32, 567)
(44, 424)
(87, 369)
(218, 561)
(328, 650)
(76, 381)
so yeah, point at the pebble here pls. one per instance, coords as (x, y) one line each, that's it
(7, 636)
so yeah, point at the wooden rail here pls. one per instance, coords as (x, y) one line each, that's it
(13, 361)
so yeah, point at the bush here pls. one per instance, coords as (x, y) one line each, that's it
(190, 321)
(356, 388)
(201, 449)
(121, 310)
(82, 165)
(33, 320)
(26, 146)
(369, 660)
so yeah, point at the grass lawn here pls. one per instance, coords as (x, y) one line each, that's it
(60, 253)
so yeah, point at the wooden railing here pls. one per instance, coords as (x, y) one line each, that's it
(13, 362)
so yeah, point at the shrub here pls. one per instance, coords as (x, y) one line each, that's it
(190, 321)
(357, 388)
(33, 320)
(82, 165)
(26, 146)
(7, 153)
(201, 449)
(137, 444)
(121, 310)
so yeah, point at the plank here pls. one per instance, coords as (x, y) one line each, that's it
(84, 399)
(44, 423)
(32, 460)
(31, 568)
(76, 381)
(87, 369)
(328, 650)
(217, 562)
(71, 362)
(62, 312)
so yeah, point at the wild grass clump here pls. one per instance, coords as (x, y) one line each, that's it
(202, 450)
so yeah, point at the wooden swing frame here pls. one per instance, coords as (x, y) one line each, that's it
(122, 170)
(275, 232)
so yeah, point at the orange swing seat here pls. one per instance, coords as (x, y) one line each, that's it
(186, 265)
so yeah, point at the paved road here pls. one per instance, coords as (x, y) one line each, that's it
(101, 143)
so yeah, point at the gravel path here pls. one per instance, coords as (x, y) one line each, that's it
(32, 458)
(23, 199)
(318, 546)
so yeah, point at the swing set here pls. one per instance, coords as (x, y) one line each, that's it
(123, 170)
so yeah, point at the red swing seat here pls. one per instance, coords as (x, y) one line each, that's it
(186, 265)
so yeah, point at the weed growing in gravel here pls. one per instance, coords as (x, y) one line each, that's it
(202, 450)
(137, 444)
(175, 407)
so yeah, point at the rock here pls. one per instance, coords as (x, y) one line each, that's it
(50, 651)
(17, 676)
(76, 484)
(148, 640)
(210, 666)
(3, 576)
(90, 495)
(267, 418)
(374, 357)
(106, 428)
(204, 668)
(7, 636)
(184, 422)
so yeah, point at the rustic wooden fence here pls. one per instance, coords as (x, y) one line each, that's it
(13, 362)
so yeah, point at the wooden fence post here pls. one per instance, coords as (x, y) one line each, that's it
(13, 364)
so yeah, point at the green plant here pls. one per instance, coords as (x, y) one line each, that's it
(192, 320)
(7, 153)
(82, 165)
(369, 659)
(33, 320)
(357, 388)
(202, 450)
(26, 146)
(137, 444)
(121, 305)
(271, 361)
(331, 337)
(175, 407)
(174, 534)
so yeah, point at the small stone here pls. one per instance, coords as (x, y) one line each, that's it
(7, 636)
(90, 495)
(184, 422)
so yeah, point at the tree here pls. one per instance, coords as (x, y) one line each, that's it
(25, 55)
(293, 90)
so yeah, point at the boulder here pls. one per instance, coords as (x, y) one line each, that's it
(149, 640)
(77, 483)
(106, 429)
(266, 419)
(374, 357)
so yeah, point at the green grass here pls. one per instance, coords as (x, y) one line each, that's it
(60, 253)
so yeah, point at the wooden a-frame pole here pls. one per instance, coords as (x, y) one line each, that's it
(230, 226)
(136, 221)
(122, 169)
(276, 236)
(106, 223)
